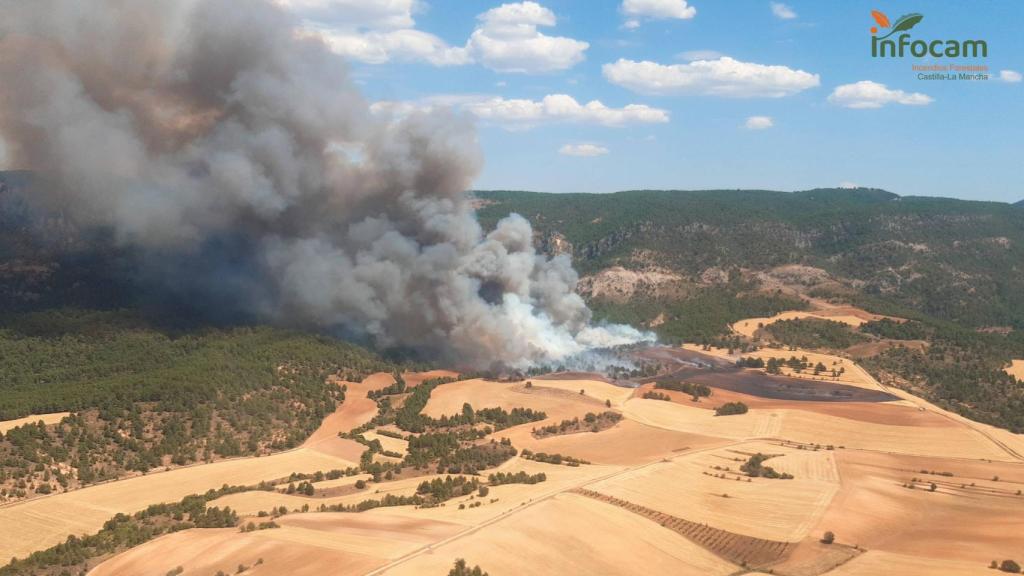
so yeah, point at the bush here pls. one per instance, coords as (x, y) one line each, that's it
(1010, 566)
(828, 538)
(731, 408)
(754, 467)
(461, 569)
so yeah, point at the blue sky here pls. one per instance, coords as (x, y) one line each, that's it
(499, 62)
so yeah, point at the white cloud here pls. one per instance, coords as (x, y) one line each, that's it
(868, 94)
(582, 150)
(506, 38)
(848, 185)
(1011, 76)
(722, 77)
(691, 55)
(782, 11)
(523, 113)
(759, 123)
(404, 44)
(660, 9)
(631, 24)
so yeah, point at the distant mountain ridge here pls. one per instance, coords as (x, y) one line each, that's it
(956, 260)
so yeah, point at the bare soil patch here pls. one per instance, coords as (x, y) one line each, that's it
(1016, 369)
(52, 418)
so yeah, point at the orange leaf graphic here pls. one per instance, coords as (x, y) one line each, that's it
(881, 18)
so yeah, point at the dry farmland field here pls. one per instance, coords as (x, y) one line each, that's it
(670, 487)
(1016, 369)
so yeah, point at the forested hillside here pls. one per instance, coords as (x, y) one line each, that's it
(951, 259)
(143, 396)
(687, 264)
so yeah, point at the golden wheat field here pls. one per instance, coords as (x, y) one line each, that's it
(1016, 369)
(43, 522)
(664, 492)
(51, 418)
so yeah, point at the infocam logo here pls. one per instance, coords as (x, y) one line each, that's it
(885, 47)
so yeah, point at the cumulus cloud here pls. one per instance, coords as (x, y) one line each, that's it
(722, 77)
(521, 113)
(507, 38)
(1011, 76)
(658, 9)
(373, 32)
(868, 94)
(759, 123)
(403, 45)
(782, 11)
(582, 150)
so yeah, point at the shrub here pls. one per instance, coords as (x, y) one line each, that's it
(731, 408)
(828, 538)
(1010, 566)
(461, 569)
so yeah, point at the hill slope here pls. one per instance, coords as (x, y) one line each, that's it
(952, 259)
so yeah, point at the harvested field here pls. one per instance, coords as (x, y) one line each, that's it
(692, 420)
(413, 379)
(47, 419)
(209, 551)
(43, 522)
(957, 441)
(682, 506)
(952, 442)
(813, 558)
(627, 443)
(767, 509)
(356, 410)
(749, 326)
(558, 404)
(736, 548)
(1015, 369)
(570, 534)
(958, 521)
(897, 413)
(314, 544)
(849, 315)
(250, 503)
(388, 443)
(596, 389)
(874, 562)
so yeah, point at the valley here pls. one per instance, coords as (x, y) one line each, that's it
(669, 482)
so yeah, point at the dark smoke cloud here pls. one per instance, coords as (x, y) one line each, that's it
(238, 156)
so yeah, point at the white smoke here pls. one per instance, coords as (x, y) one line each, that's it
(235, 153)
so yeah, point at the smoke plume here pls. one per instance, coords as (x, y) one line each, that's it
(241, 160)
